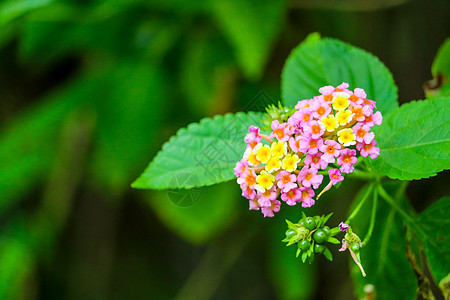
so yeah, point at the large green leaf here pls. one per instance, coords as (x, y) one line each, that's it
(383, 258)
(435, 223)
(9, 10)
(202, 154)
(318, 62)
(198, 215)
(415, 140)
(251, 27)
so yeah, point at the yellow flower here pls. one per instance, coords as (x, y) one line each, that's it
(340, 101)
(264, 181)
(344, 116)
(273, 164)
(290, 162)
(278, 149)
(346, 137)
(262, 152)
(330, 123)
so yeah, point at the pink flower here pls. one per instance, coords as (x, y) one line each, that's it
(274, 207)
(253, 136)
(343, 227)
(314, 129)
(253, 204)
(280, 131)
(286, 181)
(371, 120)
(308, 176)
(343, 86)
(326, 90)
(330, 150)
(360, 93)
(248, 192)
(248, 178)
(306, 196)
(346, 160)
(335, 176)
(368, 149)
(304, 116)
(363, 134)
(241, 167)
(266, 197)
(320, 109)
(294, 143)
(316, 161)
(311, 146)
(292, 196)
(302, 104)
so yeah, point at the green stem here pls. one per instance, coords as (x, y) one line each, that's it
(364, 175)
(394, 205)
(360, 204)
(372, 218)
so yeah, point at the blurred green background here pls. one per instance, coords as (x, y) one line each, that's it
(90, 90)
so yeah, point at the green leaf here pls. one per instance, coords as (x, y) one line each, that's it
(202, 154)
(333, 240)
(328, 254)
(383, 258)
(440, 85)
(198, 214)
(435, 223)
(415, 140)
(318, 62)
(251, 26)
(9, 10)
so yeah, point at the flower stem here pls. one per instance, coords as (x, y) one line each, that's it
(361, 202)
(372, 218)
(394, 204)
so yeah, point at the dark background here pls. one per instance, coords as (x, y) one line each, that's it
(90, 92)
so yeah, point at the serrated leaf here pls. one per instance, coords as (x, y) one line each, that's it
(383, 258)
(323, 61)
(435, 223)
(251, 26)
(415, 140)
(202, 154)
(197, 215)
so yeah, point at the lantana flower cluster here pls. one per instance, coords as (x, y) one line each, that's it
(323, 136)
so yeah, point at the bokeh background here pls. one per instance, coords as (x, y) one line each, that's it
(90, 90)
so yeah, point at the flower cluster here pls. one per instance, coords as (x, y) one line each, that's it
(322, 136)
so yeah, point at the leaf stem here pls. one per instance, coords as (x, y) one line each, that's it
(372, 218)
(361, 202)
(394, 204)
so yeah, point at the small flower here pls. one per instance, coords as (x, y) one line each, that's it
(292, 196)
(266, 197)
(262, 152)
(241, 167)
(314, 129)
(253, 160)
(335, 176)
(331, 151)
(340, 101)
(371, 120)
(248, 193)
(362, 133)
(346, 137)
(308, 177)
(315, 161)
(264, 181)
(253, 135)
(347, 160)
(330, 123)
(311, 146)
(273, 165)
(248, 178)
(320, 109)
(253, 204)
(368, 149)
(306, 197)
(294, 143)
(290, 162)
(286, 181)
(279, 131)
(343, 227)
(278, 149)
(344, 117)
(269, 210)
